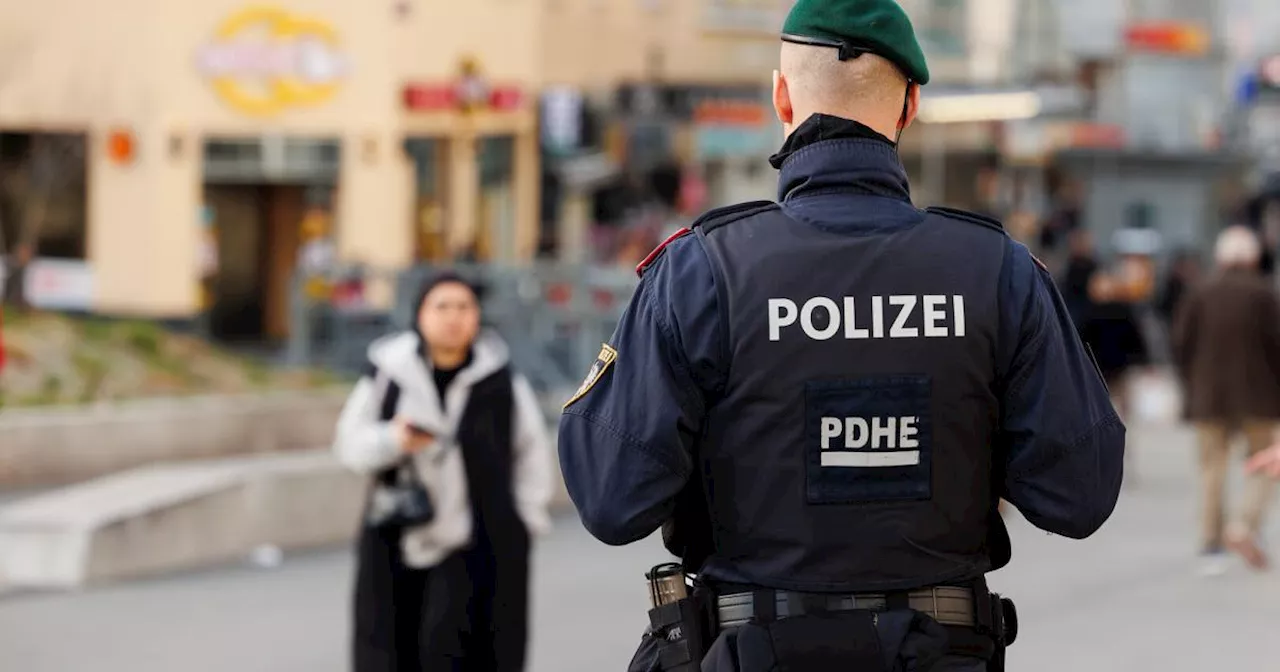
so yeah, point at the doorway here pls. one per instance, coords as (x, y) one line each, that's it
(263, 198)
(256, 232)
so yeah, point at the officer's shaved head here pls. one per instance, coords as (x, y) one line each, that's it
(813, 80)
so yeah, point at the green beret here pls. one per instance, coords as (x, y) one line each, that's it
(855, 27)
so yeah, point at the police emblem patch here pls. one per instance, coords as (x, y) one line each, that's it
(869, 440)
(603, 361)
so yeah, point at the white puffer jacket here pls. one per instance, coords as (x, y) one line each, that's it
(366, 444)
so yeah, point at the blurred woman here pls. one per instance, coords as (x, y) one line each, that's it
(456, 449)
(1227, 350)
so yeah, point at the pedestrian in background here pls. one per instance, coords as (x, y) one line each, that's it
(1110, 327)
(1080, 268)
(456, 448)
(1183, 275)
(1227, 351)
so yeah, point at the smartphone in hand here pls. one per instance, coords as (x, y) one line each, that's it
(419, 432)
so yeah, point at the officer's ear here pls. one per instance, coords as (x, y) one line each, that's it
(911, 107)
(782, 101)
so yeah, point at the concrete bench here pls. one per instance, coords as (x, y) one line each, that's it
(171, 517)
(180, 516)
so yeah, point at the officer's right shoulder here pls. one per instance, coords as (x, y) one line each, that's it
(707, 223)
(719, 217)
(968, 217)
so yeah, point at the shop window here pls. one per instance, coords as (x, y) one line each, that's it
(496, 233)
(43, 194)
(1140, 215)
(429, 221)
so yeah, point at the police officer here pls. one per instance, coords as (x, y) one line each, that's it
(821, 400)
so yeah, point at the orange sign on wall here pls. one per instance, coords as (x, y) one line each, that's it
(1167, 37)
(729, 113)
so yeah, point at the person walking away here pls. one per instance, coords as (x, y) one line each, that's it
(443, 584)
(821, 400)
(1227, 352)
(1184, 273)
(1111, 330)
(1080, 269)
(1066, 216)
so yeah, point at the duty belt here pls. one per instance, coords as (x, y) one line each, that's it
(946, 604)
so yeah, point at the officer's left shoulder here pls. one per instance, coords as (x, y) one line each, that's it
(968, 217)
(708, 222)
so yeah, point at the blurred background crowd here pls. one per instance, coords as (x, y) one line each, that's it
(209, 210)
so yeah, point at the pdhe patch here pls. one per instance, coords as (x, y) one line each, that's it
(868, 440)
(604, 360)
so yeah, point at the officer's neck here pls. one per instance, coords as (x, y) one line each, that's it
(873, 121)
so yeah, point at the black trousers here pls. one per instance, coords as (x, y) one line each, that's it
(469, 613)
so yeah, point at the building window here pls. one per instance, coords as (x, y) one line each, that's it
(43, 194)
(941, 26)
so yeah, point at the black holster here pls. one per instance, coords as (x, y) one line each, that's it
(997, 618)
(679, 635)
(683, 631)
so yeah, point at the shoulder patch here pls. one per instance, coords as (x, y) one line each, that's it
(604, 360)
(965, 215)
(657, 251)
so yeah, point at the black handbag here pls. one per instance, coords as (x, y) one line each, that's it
(400, 499)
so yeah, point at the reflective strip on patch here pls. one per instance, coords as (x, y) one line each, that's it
(904, 458)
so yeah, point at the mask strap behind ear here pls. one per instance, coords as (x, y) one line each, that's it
(902, 120)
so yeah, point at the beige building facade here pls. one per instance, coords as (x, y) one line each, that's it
(229, 144)
(220, 129)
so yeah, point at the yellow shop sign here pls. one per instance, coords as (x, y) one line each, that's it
(265, 60)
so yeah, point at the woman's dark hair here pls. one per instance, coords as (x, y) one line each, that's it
(444, 278)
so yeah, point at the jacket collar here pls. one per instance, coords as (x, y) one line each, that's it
(399, 357)
(827, 153)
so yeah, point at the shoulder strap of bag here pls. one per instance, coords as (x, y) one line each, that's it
(390, 399)
(386, 411)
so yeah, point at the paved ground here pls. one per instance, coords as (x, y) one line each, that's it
(1126, 600)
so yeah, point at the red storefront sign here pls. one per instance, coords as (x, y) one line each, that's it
(505, 98)
(445, 97)
(426, 98)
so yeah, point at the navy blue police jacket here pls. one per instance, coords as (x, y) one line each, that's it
(804, 494)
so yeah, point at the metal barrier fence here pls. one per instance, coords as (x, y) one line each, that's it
(554, 317)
